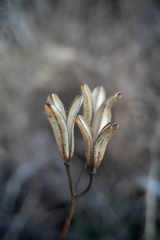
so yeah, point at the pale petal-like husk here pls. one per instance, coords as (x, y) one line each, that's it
(49, 99)
(113, 99)
(58, 103)
(87, 103)
(60, 131)
(97, 120)
(72, 112)
(102, 117)
(106, 117)
(102, 141)
(88, 138)
(99, 96)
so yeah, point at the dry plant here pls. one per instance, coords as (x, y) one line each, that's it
(96, 128)
(51, 44)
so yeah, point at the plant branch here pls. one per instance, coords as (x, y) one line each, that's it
(68, 219)
(89, 185)
(79, 178)
(70, 178)
(75, 196)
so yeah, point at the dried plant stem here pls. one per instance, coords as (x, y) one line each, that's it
(72, 205)
(70, 178)
(68, 219)
(79, 178)
(89, 185)
(74, 197)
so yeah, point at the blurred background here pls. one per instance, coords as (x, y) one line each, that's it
(54, 46)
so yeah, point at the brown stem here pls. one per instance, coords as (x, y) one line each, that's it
(72, 205)
(68, 219)
(74, 198)
(89, 185)
(70, 178)
(77, 184)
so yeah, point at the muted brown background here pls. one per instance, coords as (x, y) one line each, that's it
(53, 47)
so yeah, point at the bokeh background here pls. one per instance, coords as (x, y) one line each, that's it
(54, 46)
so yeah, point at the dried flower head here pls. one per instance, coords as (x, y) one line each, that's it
(96, 125)
(62, 124)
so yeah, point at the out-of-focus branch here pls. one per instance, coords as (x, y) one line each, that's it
(22, 218)
(24, 172)
(151, 196)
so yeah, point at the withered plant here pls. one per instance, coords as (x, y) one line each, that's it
(96, 128)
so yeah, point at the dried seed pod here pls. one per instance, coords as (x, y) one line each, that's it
(96, 126)
(87, 103)
(88, 138)
(62, 125)
(59, 127)
(99, 96)
(113, 99)
(102, 141)
(72, 112)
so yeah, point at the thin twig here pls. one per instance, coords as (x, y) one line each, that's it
(70, 178)
(72, 205)
(89, 185)
(68, 219)
(74, 198)
(79, 178)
